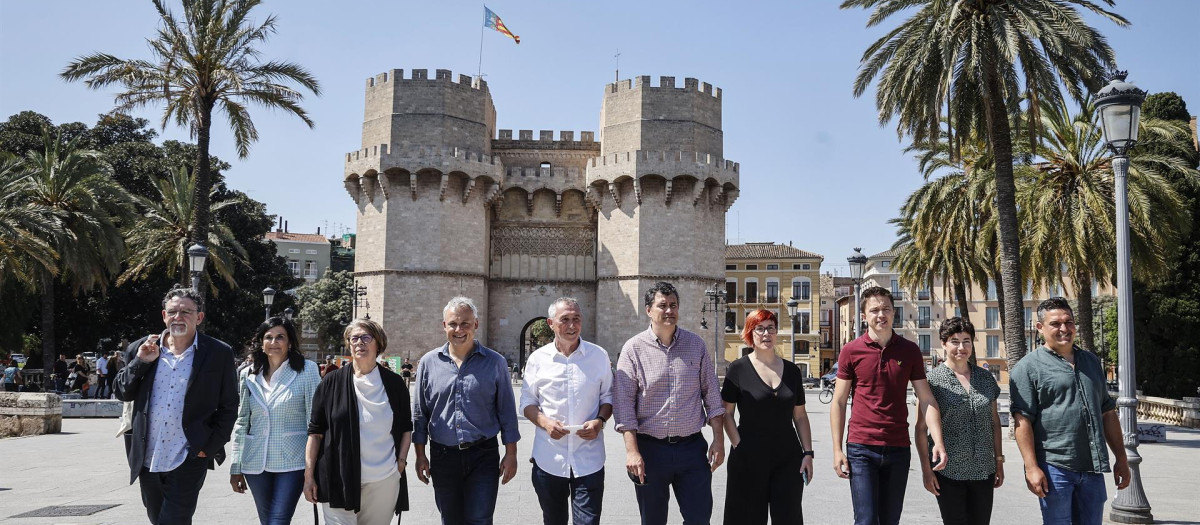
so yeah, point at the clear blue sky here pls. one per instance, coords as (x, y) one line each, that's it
(817, 169)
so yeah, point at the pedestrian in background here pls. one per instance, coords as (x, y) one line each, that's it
(770, 455)
(966, 395)
(11, 375)
(101, 375)
(358, 435)
(271, 431)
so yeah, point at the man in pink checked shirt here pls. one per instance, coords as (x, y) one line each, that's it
(665, 391)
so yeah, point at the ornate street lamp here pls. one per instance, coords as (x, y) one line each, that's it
(197, 256)
(716, 294)
(288, 313)
(1120, 105)
(857, 261)
(268, 299)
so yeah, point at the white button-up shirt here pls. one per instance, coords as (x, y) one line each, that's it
(569, 389)
(166, 445)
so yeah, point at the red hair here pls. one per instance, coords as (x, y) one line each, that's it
(753, 320)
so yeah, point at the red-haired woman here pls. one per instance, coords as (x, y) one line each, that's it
(768, 475)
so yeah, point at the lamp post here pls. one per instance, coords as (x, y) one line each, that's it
(197, 256)
(857, 262)
(358, 294)
(793, 307)
(716, 294)
(1120, 105)
(268, 299)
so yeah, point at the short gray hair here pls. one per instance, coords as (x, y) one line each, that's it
(565, 301)
(185, 293)
(459, 302)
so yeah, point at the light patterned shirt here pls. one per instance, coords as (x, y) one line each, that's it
(166, 445)
(665, 390)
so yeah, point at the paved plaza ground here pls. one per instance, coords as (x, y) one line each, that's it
(85, 465)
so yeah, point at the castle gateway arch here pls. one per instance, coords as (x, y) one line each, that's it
(449, 205)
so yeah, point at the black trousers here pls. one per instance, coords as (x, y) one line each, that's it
(965, 502)
(170, 497)
(760, 483)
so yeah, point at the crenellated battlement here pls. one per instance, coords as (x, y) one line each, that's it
(664, 83)
(545, 136)
(396, 76)
(419, 151)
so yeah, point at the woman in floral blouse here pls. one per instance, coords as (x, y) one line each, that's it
(966, 395)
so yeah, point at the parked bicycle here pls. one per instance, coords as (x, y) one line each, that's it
(826, 394)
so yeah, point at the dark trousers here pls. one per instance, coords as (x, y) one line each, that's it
(682, 467)
(465, 482)
(275, 495)
(965, 502)
(878, 477)
(585, 495)
(170, 497)
(762, 481)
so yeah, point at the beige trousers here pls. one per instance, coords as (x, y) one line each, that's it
(377, 502)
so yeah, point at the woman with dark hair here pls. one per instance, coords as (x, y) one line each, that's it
(359, 434)
(271, 430)
(966, 395)
(770, 456)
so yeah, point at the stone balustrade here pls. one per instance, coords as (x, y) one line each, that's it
(1184, 413)
(29, 414)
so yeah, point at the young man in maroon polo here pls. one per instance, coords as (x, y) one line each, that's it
(877, 367)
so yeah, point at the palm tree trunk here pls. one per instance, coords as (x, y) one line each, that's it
(200, 197)
(1000, 135)
(49, 350)
(1083, 314)
(960, 296)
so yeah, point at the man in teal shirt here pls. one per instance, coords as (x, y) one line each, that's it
(1063, 416)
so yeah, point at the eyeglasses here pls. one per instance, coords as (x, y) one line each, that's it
(364, 339)
(764, 330)
(181, 313)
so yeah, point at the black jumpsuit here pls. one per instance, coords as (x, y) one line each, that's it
(764, 469)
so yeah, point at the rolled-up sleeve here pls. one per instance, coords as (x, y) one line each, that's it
(625, 389)
(606, 387)
(1023, 393)
(529, 393)
(506, 405)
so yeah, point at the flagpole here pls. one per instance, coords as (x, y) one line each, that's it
(482, 28)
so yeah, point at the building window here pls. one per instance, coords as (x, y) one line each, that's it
(993, 346)
(545, 170)
(772, 266)
(805, 266)
(798, 267)
(922, 317)
(800, 347)
(884, 265)
(730, 266)
(730, 321)
(310, 252)
(992, 320)
(294, 266)
(991, 290)
(772, 290)
(1029, 315)
(923, 293)
(731, 291)
(805, 321)
(751, 291)
(957, 312)
(293, 250)
(310, 269)
(801, 289)
(923, 342)
(751, 266)
(898, 317)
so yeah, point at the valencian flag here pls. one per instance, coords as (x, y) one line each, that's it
(492, 21)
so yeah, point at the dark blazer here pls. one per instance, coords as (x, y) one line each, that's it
(209, 407)
(335, 415)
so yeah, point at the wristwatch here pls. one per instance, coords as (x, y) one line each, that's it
(809, 453)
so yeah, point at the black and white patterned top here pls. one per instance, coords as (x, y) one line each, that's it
(966, 422)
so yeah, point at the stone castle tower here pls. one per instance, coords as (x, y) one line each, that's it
(449, 206)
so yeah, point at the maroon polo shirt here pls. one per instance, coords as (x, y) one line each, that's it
(880, 377)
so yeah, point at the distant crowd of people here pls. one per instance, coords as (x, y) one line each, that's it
(340, 434)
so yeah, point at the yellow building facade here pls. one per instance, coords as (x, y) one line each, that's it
(768, 275)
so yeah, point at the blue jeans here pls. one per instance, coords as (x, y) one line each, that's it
(1074, 498)
(681, 466)
(878, 477)
(585, 493)
(275, 495)
(465, 482)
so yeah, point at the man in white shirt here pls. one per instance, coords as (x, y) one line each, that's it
(101, 375)
(568, 395)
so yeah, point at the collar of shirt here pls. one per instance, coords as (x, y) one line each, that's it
(163, 350)
(445, 351)
(674, 337)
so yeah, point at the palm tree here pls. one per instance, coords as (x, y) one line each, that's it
(206, 61)
(75, 187)
(1072, 212)
(970, 61)
(24, 228)
(159, 238)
